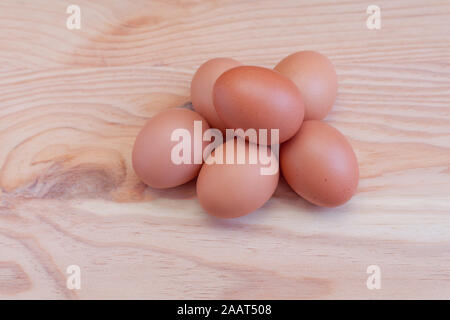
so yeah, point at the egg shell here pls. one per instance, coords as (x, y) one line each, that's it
(314, 75)
(233, 190)
(151, 157)
(250, 97)
(320, 165)
(202, 88)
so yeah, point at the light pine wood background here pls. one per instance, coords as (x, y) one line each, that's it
(72, 102)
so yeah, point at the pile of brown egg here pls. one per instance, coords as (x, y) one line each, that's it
(248, 110)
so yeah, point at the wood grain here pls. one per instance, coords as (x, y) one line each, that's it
(72, 102)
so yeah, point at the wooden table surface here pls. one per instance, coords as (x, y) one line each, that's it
(72, 102)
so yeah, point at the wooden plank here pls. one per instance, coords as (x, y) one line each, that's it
(72, 101)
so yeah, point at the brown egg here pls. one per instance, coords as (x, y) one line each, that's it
(320, 165)
(316, 78)
(202, 87)
(251, 97)
(232, 190)
(152, 153)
